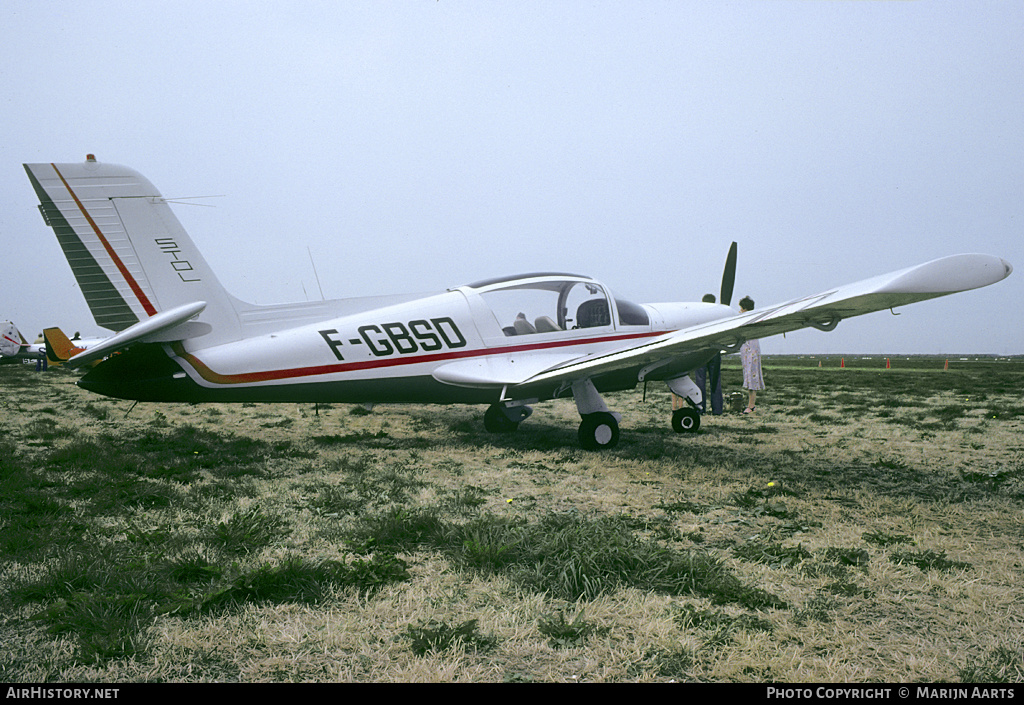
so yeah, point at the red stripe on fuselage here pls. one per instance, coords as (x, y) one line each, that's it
(273, 375)
(134, 285)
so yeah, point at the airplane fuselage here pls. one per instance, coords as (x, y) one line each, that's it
(449, 347)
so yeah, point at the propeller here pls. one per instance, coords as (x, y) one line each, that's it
(729, 276)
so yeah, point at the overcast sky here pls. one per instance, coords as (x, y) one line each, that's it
(420, 144)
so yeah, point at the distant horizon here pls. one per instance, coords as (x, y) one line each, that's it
(894, 355)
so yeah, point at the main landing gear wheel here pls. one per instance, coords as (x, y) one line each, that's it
(497, 421)
(599, 431)
(685, 420)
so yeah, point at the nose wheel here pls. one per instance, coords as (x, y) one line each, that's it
(685, 420)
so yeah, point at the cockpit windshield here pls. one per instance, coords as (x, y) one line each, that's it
(631, 314)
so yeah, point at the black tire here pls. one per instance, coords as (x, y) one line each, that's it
(495, 420)
(599, 431)
(685, 420)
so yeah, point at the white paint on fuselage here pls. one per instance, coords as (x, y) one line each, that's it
(680, 315)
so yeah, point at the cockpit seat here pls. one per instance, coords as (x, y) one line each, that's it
(593, 313)
(546, 324)
(523, 326)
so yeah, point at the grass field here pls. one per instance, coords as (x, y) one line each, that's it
(863, 525)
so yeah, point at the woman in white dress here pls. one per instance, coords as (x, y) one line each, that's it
(750, 355)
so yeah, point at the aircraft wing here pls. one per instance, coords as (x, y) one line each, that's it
(823, 311)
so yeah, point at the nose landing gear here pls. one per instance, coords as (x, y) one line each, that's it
(685, 420)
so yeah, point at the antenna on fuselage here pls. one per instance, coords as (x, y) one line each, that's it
(322, 297)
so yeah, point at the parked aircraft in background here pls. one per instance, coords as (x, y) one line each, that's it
(506, 342)
(14, 346)
(59, 347)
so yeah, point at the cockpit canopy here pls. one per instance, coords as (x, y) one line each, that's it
(551, 302)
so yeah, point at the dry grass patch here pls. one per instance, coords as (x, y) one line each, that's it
(862, 526)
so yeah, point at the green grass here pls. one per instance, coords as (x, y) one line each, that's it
(287, 542)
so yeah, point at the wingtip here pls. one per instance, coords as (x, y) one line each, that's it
(952, 274)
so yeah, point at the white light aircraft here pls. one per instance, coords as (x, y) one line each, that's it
(507, 342)
(13, 344)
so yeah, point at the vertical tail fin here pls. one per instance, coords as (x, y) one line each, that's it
(14, 345)
(127, 250)
(58, 347)
(11, 340)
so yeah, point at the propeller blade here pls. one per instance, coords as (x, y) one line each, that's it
(729, 276)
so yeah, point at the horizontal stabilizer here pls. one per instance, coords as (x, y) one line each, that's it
(153, 329)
